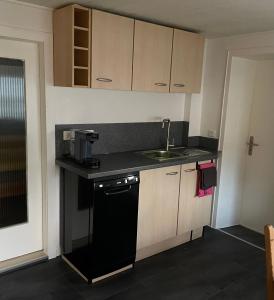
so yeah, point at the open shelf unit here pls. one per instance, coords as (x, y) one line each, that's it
(72, 30)
(81, 46)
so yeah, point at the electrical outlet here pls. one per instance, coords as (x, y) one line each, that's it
(212, 133)
(67, 135)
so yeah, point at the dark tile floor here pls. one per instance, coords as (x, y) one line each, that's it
(214, 267)
(246, 234)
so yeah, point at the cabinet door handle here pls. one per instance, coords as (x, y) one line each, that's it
(172, 173)
(103, 79)
(189, 170)
(160, 84)
(179, 84)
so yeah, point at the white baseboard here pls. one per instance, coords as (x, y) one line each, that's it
(22, 261)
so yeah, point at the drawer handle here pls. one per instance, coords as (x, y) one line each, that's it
(189, 170)
(160, 84)
(179, 85)
(103, 79)
(117, 192)
(172, 173)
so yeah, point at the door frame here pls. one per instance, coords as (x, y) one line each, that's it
(43, 135)
(244, 53)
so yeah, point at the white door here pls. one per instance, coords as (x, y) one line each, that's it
(24, 238)
(246, 194)
(258, 193)
(236, 130)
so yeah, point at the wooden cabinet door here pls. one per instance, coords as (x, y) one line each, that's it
(187, 62)
(194, 212)
(152, 57)
(158, 205)
(112, 50)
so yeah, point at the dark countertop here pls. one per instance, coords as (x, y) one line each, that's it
(126, 162)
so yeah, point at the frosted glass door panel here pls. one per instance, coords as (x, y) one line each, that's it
(13, 182)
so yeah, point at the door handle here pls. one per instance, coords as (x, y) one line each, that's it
(103, 79)
(189, 170)
(172, 173)
(160, 84)
(178, 84)
(251, 144)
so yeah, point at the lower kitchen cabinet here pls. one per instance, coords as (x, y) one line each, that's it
(158, 205)
(194, 212)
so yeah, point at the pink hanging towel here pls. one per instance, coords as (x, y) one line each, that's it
(200, 191)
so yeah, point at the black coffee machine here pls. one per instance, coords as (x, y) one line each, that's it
(81, 147)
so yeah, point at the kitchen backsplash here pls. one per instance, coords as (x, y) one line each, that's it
(120, 137)
(203, 142)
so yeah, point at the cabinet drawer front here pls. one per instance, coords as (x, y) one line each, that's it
(152, 57)
(112, 50)
(158, 205)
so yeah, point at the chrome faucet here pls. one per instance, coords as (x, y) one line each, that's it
(166, 120)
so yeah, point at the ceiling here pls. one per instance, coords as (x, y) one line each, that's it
(213, 18)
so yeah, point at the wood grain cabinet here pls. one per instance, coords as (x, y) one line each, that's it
(71, 30)
(187, 62)
(158, 205)
(112, 50)
(194, 212)
(152, 57)
(97, 49)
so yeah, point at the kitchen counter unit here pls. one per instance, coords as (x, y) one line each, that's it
(125, 162)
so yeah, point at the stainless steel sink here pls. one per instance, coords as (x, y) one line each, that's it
(176, 153)
(161, 154)
(189, 151)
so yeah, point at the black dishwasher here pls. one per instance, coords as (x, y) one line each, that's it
(114, 223)
(99, 223)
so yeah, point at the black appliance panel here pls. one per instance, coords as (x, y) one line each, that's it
(114, 224)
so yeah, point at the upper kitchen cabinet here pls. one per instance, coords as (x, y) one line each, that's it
(97, 49)
(112, 50)
(152, 57)
(71, 28)
(187, 62)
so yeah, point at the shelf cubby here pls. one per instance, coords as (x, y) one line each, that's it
(81, 38)
(81, 17)
(81, 58)
(81, 54)
(81, 77)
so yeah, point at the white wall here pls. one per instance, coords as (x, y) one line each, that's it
(70, 105)
(215, 69)
(67, 105)
(233, 160)
(16, 14)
